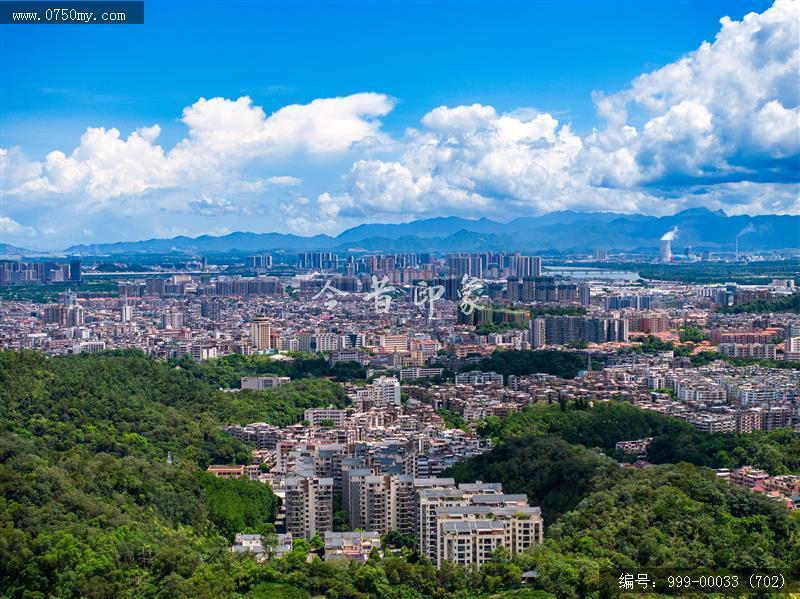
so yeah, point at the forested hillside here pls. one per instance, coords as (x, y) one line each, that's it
(90, 506)
(601, 518)
(559, 363)
(674, 440)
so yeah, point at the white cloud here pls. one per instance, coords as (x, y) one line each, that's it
(210, 206)
(284, 181)
(722, 115)
(223, 136)
(730, 104)
(474, 161)
(10, 226)
(719, 127)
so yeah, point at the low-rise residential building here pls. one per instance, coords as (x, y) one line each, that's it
(351, 545)
(226, 471)
(261, 383)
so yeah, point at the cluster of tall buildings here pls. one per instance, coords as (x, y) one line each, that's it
(67, 313)
(321, 260)
(14, 272)
(531, 288)
(461, 524)
(259, 262)
(407, 266)
(565, 330)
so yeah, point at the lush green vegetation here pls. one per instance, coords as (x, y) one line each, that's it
(763, 306)
(603, 519)
(603, 425)
(283, 406)
(226, 372)
(555, 475)
(693, 334)
(453, 420)
(44, 294)
(706, 357)
(487, 328)
(556, 311)
(672, 518)
(90, 505)
(652, 344)
(559, 363)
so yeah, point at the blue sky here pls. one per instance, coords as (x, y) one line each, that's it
(524, 60)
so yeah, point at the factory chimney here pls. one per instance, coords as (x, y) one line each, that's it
(665, 245)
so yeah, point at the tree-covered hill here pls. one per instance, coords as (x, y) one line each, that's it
(90, 506)
(555, 475)
(674, 440)
(226, 372)
(560, 363)
(789, 303)
(665, 519)
(602, 519)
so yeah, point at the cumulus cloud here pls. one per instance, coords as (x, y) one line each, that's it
(720, 127)
(223, 136)
(730, 106)
(727, 114)
(471, 160)
(284, 181)
(12, 227)
(209, 206)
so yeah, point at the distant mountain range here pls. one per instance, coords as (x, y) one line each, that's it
(7, 248)
(556, 232)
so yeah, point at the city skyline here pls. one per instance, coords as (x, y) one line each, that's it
(704, 115)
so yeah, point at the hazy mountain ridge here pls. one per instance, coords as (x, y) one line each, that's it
(557, 231)
(7, 248)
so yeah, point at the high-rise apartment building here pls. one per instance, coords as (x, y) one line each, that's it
(528, 291)
(75, 271)
(260, 332)
(322, 260)
(561, 330)
(468, 535)
(126, 313)
(513, 290)
(791, 348)
(172, 320)
(428, 501)
(155, 287)
(525, 266)
(465, 265)
(309, 506)
(585, 294)
(537, 333)
(383, 391)
(259, 262)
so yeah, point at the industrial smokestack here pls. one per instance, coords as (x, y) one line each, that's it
(665, 250)
(748, 229)
(665, 245)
